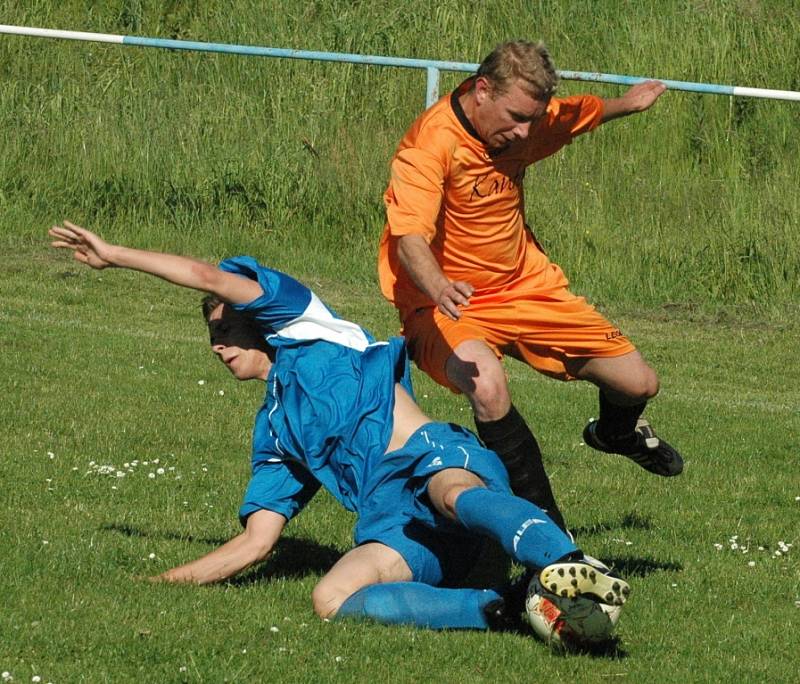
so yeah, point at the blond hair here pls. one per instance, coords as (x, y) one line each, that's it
(524, 62)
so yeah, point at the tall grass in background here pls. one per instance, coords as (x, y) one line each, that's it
(692, 203)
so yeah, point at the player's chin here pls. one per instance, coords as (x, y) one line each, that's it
(244, 374)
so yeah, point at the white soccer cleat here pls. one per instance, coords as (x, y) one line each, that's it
(570, 580)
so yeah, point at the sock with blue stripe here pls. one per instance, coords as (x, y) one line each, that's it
(523, 529)
(420, 605)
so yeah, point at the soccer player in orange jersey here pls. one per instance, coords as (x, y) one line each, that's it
(471, 282)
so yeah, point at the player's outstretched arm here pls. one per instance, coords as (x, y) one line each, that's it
(95, 252)
(252, 546)
(638, 98)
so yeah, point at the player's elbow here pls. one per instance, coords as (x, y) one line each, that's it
(259, 552)
(256, 548)
(206, 277)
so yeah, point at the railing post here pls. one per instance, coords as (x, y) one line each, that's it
(433, 86)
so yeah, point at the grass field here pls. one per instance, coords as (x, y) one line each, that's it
(680, 223)
(103, 381)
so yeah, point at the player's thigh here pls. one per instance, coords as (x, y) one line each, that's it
(370, 563)
(561, 332)
(433, 340)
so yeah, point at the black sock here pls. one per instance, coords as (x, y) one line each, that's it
(511, 439)
(571, 557)
(616, 423)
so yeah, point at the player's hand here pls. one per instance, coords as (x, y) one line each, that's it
(642, 96)
(85, 245)
(454, 296)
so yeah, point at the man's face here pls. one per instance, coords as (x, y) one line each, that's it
(237, 344)
(502, 118)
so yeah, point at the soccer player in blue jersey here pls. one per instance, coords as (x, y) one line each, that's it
(339, 412)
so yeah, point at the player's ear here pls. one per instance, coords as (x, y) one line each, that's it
(483, 89)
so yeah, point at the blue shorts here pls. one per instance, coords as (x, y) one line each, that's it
(394, 508)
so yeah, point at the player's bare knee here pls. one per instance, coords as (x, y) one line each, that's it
(645, 385)
(491, 401)
(327, 599)
(490, 397)
(452, 496)
(478, 373)
(447, 485)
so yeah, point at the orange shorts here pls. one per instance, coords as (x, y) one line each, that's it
(543, 328)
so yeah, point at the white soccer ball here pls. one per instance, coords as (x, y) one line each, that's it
(569, 623)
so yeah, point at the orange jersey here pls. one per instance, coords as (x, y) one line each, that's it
(467, 202)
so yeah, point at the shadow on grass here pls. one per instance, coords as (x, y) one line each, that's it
(131, 531)
(627, 566)
(640, 567)
(608, 650)
(292, 557)
(631, 521)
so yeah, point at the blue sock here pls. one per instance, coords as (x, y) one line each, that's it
(420, 605)
(523, 529)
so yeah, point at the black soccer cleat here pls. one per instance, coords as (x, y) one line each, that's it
(647, 449)
(505, 614)
(571, 580)
(499, 618)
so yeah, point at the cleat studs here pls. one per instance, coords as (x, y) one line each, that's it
(574, 583)
(593, 576)
(554, 587)
(610, 597)
(572, 571)
(584, 573)
(561, 572)
(564, 593)
(615, 586)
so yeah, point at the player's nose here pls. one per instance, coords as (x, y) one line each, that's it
(522, 130)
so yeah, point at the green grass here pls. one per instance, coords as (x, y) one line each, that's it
(105, 368)
(680, 223)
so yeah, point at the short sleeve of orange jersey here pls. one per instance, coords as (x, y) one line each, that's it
(566, 118)
(415, 193)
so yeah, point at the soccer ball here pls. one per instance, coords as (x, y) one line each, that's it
(569, 623)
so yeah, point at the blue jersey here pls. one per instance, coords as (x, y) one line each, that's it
(327, 415)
